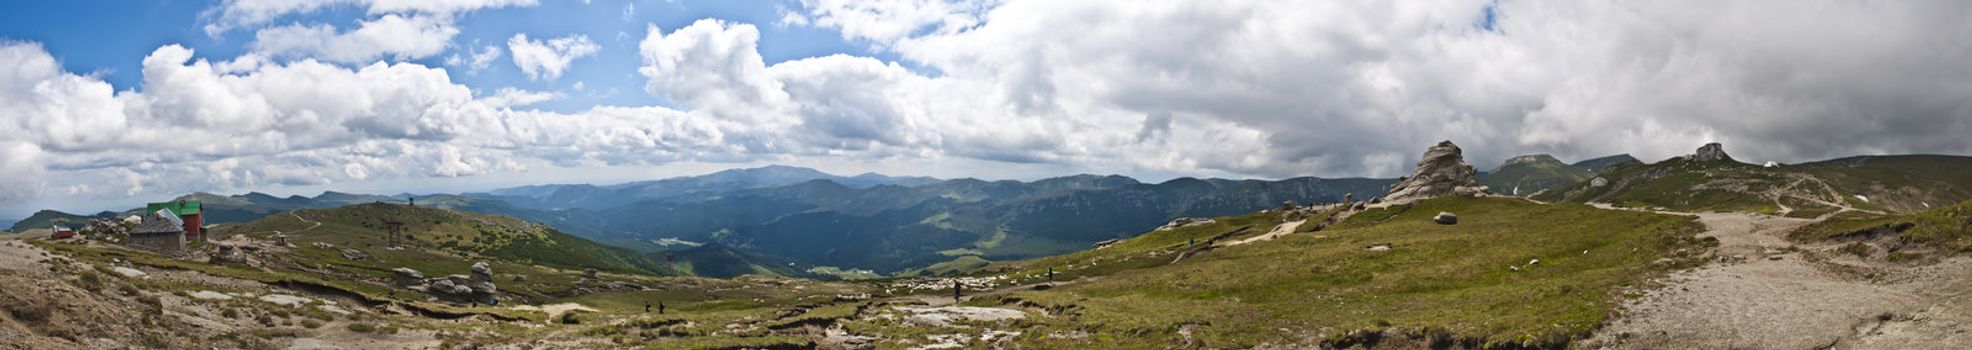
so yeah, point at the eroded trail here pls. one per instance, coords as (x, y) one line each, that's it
(1283, 229)
(1766, 293)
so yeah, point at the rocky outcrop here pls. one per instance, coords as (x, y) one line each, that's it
(1445, 218)
(406, 276)
(1711, 152)
(1442, 172)
(482, 272)
(477, 288)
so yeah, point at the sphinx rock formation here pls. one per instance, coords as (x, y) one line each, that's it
(1442, 172)
(1711, 152)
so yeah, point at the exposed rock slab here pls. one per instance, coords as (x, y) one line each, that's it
(1442, 172)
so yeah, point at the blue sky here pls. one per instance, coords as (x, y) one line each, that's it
(108, 37)
(116, 102)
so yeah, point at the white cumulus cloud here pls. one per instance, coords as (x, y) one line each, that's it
(388, 36)
(548, 59)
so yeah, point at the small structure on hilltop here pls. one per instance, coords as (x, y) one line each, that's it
(1442, 172)
(161, 231)
(60, 232)
(396, 231)
(186, 212)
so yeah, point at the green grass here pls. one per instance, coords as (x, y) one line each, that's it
(1532, 175)
(959, 265)
(1447, 278)
(1893, 183)
(1155, 248)
(1947, 229)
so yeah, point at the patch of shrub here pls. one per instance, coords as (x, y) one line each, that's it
(91, 281)
(1858, 249)
(362, 328)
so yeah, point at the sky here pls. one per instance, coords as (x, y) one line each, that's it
(111, 103)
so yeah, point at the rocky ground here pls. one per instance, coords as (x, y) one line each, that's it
(1767, 293)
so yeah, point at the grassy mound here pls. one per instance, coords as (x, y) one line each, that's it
(1527, 175)
(1471, 281)
(1944, 230)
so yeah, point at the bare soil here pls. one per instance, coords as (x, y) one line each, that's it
(1767, 293)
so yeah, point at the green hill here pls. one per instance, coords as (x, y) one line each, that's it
(1870, 183)
(715, 260)
(1531, 174)
(443, 234)
(1946, 230)
(46, 218)
(1600, 165)
(1473, 283)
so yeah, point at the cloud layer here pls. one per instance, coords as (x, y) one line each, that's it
(1242, 88)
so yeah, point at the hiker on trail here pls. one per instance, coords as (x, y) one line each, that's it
(646, 306)
(1050, 274)
(956, 287)
(660, 308)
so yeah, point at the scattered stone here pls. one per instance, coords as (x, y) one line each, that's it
(1107, 243)
(945, 316)
(210, 295)
(1383, 247)
(353, 254)
(1442, 172)
(130, 272)
(589, 273)
(1445, 218)
(284, 299)
(1598, 182)
(520, 278)
(1772, 164)
(228, 253)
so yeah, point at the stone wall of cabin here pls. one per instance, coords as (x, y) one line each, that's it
(162, 242)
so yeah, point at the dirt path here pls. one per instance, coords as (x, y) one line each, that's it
(555, 310)
(1762, 294)
(1283, 229)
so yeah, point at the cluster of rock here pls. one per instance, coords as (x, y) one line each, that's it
(1442, 172)
(476, 288)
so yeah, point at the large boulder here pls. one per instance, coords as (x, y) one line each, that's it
(1711, 152)
(405, 276)
(1442, 172)
(481, 272)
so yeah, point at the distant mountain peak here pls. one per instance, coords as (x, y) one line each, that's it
(1601, 164)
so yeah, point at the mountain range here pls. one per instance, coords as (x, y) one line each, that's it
(786, 220)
